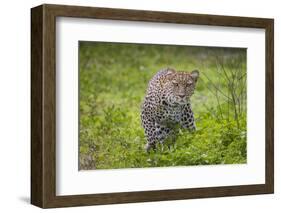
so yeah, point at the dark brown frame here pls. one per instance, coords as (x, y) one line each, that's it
(43, 105)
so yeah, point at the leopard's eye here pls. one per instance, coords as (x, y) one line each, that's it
(189, 83)
(175, 83)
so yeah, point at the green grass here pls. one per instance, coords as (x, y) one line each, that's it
(113, 81)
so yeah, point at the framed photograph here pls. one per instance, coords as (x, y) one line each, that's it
(136, 106)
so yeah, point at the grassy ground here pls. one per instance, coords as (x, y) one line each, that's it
(113, 81)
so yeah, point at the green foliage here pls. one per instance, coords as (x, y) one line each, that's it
(113, 81)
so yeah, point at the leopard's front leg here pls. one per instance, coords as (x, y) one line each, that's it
(163, 132)
(155, 133)
(187, 118)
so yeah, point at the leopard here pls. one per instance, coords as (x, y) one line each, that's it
(166, 107)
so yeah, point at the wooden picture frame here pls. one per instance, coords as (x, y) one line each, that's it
(43, 105)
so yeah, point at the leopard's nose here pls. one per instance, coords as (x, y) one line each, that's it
(182, 95)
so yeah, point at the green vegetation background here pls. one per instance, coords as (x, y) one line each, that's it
(113, 81)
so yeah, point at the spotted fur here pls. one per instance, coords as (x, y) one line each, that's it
(167, 104)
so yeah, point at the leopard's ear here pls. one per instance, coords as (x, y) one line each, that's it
(195, 75)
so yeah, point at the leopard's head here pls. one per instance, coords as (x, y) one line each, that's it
(180, 86)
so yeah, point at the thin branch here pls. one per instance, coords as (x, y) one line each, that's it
(215, 86)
